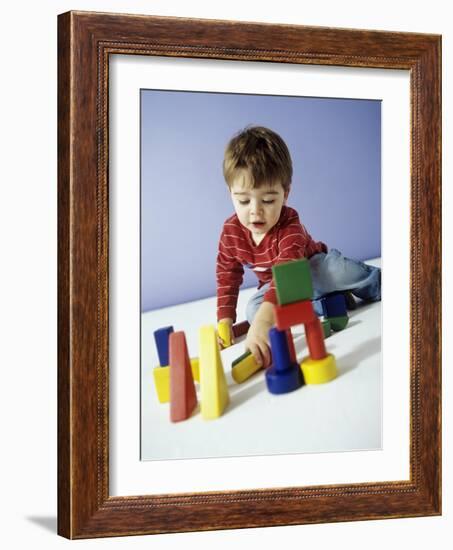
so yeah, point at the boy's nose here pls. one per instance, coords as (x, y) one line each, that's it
(255, 208)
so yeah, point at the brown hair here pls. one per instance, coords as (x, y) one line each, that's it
(260, 156)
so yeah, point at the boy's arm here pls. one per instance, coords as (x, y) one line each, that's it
(229, 274)
(257, 340)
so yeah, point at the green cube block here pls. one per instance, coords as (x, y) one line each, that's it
(326, 327)
(293, 281)
(338, 323)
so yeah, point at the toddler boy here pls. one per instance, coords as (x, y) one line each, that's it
(264, 231)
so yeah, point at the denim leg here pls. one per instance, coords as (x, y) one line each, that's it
(254, 303)
(332, 272)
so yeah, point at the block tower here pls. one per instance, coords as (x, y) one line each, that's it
(294, 293)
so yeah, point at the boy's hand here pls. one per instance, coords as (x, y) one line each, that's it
(257, 342)
(228, 322)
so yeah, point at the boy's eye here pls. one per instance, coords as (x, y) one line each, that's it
(244, 202)
(270, 201)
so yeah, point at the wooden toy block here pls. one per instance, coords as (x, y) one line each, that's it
(214, 390)
(319, 371)
(183, 398)
(239, 329)
(292, 349)
(297, 313)
(195, 364)
(315, 339)
(281, 357)
(162, 379)
(338, 323)
(162, 382)
(224, 332)
(283, 376)
(244, 367)
(161, 336)
(293, 281)
(326, 328)
(335, 305)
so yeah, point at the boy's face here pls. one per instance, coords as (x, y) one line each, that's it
(258, 209)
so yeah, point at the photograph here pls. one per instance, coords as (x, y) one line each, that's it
(260, 271)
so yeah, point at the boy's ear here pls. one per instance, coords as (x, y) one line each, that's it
(286, 195)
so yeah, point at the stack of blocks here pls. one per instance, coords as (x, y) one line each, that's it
(294, 293)
(175, 375)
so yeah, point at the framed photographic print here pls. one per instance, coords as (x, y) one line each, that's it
(336, 157)
(148, 107)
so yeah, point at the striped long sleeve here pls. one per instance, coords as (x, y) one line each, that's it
(229, 274)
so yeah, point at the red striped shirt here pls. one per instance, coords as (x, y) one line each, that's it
(287, 240)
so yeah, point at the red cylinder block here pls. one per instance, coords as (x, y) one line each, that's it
(292, 349)
(315, 339)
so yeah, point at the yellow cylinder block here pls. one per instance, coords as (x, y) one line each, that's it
(319, 371)
(244, 369)
(224, 332)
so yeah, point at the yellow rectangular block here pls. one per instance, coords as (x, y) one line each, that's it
(195, 364)
(162, 383)
(214, 389)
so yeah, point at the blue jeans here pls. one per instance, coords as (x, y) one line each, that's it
(332, 272)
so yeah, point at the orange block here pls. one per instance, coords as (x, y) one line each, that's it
(298, 313)
(183, 398)
(315, 339)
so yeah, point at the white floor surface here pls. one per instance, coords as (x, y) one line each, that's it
(343, 415)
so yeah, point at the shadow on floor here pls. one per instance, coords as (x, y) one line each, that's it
(49, 523)
(240, 397)
(351, 360)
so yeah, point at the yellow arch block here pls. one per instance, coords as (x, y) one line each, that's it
(214, 389)
(319, 371)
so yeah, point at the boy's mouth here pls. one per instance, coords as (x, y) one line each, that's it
(257, 225)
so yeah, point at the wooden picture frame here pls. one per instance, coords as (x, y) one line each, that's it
(85, 42)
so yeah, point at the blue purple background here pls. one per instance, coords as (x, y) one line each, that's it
(335, 146)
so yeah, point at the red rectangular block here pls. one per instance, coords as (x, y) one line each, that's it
(239, 329)
(298, 313)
